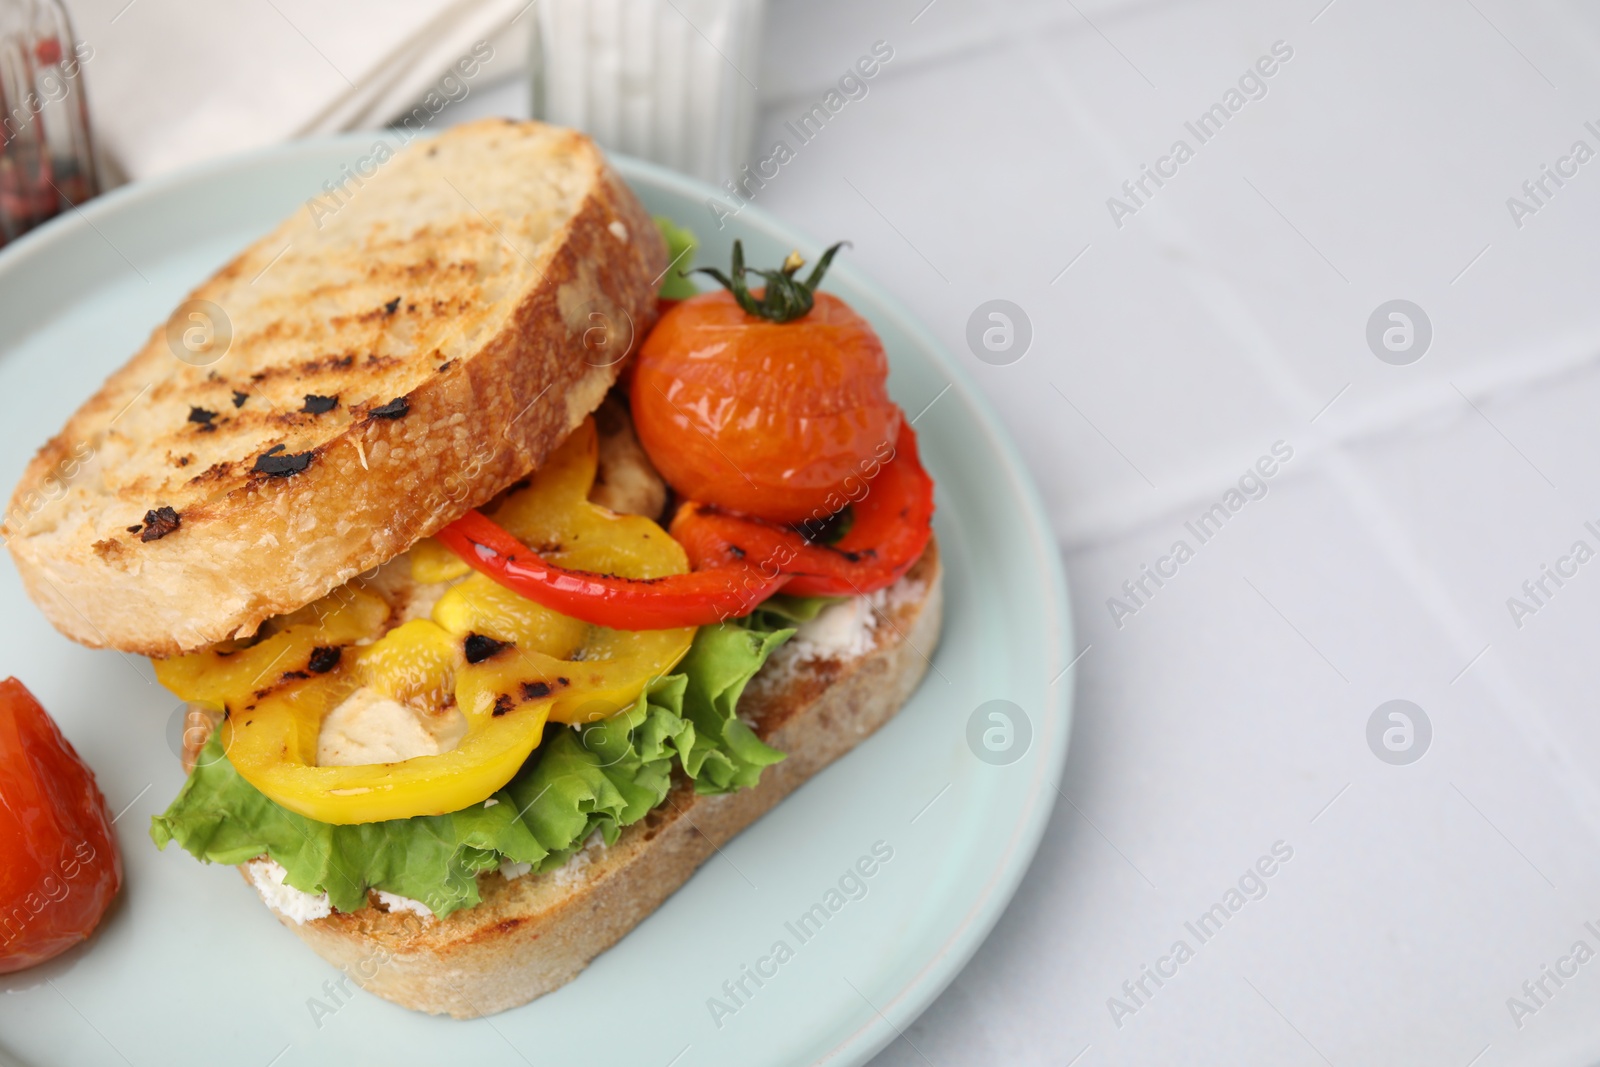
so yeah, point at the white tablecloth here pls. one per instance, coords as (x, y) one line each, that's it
(1228, 312)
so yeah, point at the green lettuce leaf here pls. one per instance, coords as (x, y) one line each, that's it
(783, 611)
(600, 777)
(726, 754)
(681, 241)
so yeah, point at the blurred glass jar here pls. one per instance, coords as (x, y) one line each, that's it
(46, 155)
(670, 81)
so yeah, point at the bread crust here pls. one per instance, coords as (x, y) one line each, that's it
(532, 935)
(474, 312)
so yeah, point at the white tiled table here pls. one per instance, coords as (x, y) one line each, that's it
(1229, 313)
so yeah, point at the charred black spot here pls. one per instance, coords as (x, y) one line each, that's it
(158, 523)
(503, 704)
(202, 416)
(736, 551)
(271, 463)
(394, 409)
(136, 527)
(479, 648)
(323, 659)
(535, 690)
(293, 676)
(446, 365)
(563, 682)
(830, 530)
(239, 398)
(317, 405)
(183, 461)
(392, 306)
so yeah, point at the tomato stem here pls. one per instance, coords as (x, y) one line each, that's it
(785, 298)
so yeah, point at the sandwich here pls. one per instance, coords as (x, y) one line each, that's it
(505, 573)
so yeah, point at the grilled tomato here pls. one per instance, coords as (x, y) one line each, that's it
(764, 403)
(59, 867)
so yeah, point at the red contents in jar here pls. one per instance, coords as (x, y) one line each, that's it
(47, 51)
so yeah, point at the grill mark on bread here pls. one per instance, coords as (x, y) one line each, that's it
(214, 473)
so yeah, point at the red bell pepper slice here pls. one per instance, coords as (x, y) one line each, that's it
(739, 562)
(700, 598)
(893, 514)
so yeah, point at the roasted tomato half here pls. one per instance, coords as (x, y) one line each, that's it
(59, 866)
(764, 403)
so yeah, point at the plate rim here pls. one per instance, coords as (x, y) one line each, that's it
(889, 1019)
(974, 927)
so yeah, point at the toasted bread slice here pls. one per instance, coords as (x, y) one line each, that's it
(401, 349)
(533, 934)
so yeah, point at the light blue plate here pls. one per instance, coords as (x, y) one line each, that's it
(190, 968)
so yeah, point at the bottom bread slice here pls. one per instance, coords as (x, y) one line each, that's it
(533, 934)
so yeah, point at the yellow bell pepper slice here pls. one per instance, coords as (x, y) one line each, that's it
(226, 676)
(274, 745)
